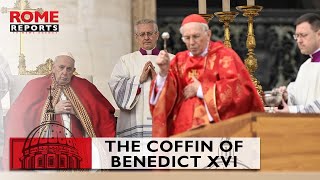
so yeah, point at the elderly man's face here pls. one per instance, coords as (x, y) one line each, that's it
(146, 36)
(195, 38)
(63, 69)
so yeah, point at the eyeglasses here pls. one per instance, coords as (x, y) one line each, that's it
(300, 35)
(187, 39)
(143, 34)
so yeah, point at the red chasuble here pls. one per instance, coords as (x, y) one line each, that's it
(227, 89)
(26, 112)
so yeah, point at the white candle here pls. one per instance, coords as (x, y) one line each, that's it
(250, 2)
(202, 6)
(225, 5)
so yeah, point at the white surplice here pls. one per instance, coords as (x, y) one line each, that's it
(306, 88)
(135, 118)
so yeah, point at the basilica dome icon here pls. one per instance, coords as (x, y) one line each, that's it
(47, 148)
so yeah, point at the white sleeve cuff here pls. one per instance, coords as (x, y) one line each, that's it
(200, 95)
(159, 85)
(199, 92)
(160, 81)
(293, 109)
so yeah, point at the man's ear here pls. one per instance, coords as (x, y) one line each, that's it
(209, 33)
(74, 70)
(53, 67)
(136, 37)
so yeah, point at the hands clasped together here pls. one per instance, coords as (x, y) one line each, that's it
(64, 107)
(148, 71)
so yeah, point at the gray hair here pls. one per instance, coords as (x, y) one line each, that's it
(57, 57)
(145, 21)
(204, 26)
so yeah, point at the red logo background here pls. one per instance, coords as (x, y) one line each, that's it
(50, 153)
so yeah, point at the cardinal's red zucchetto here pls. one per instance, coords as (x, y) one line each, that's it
(193, 18)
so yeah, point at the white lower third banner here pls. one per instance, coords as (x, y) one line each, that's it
(176, 153)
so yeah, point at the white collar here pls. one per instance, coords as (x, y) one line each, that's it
(149, 52)
(314, 52)
(204, 53)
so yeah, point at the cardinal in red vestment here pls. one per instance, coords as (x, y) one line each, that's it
(206, 83)
(78, 106)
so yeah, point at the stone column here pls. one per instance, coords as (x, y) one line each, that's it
(142, 9)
